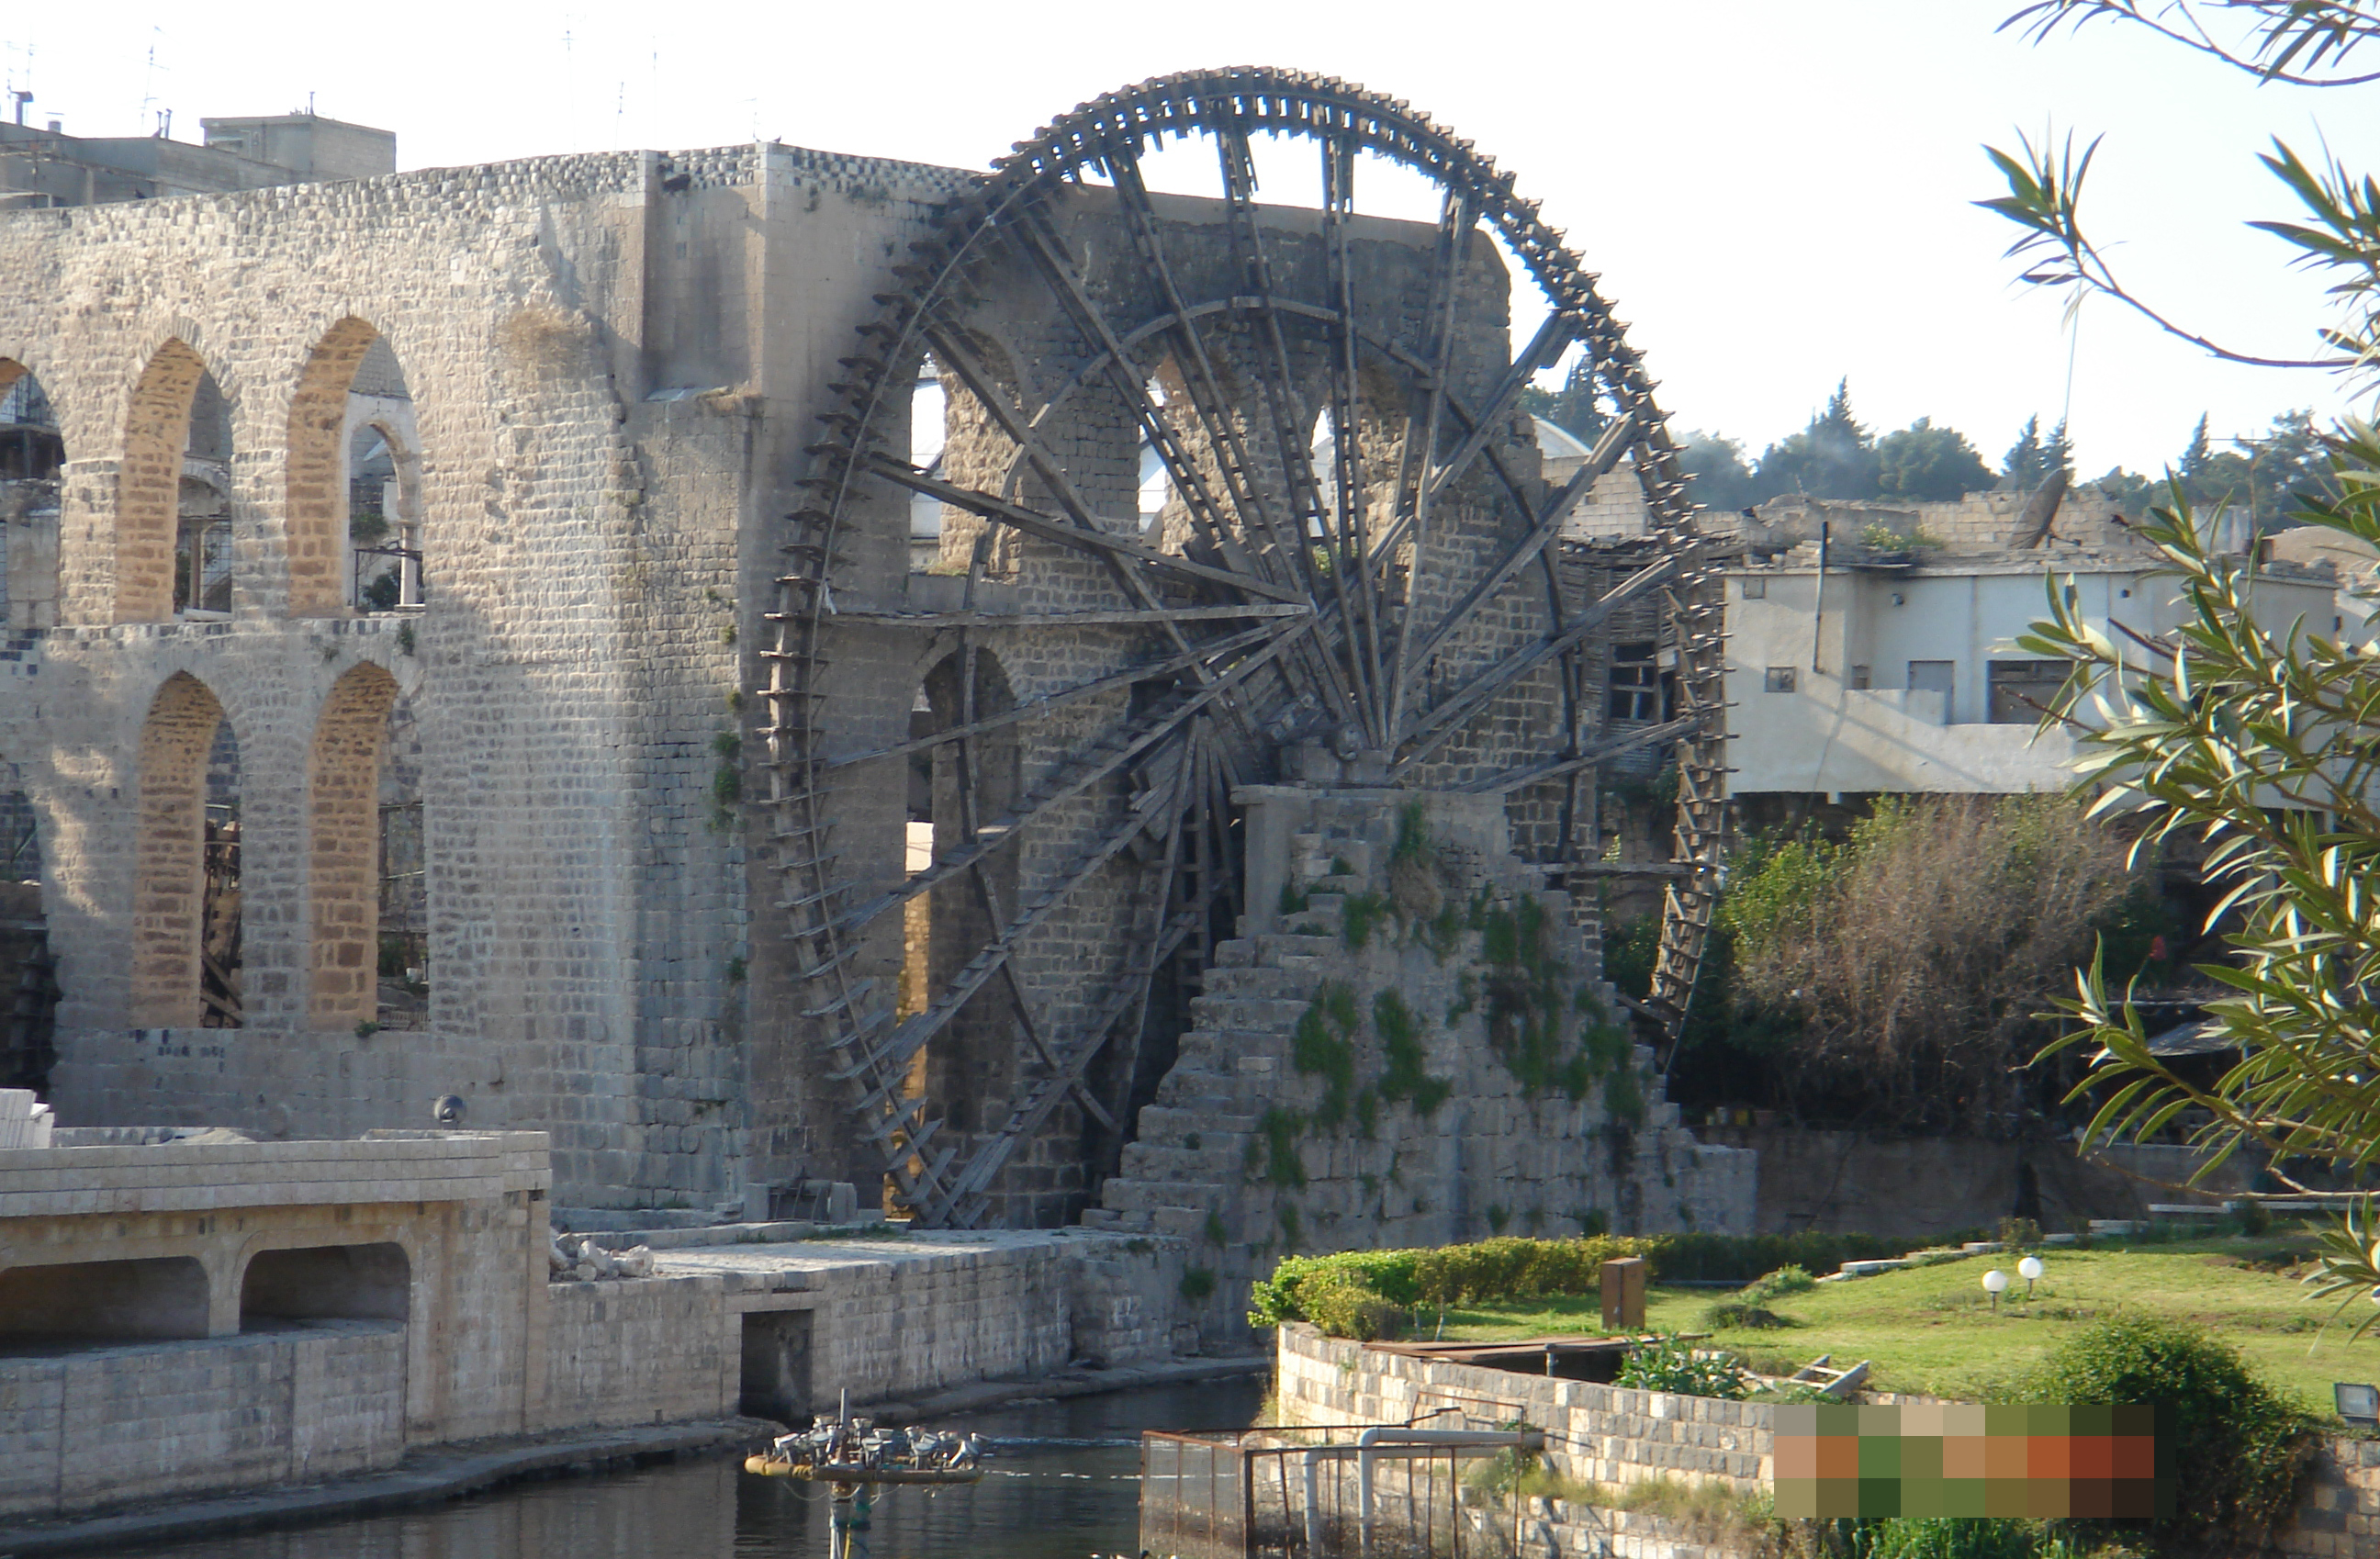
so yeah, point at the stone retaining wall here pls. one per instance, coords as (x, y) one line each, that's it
(1594, 1434)
(1607, 1435)
(210, 1415)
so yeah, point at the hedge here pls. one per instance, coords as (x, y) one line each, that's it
(1499, 1271)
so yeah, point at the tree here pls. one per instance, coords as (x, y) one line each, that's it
(1833, 457)
(2030, 460)
(1717, 476)
(1925, 463)
(1917, 955)
(2262, 740)
(1573, 408)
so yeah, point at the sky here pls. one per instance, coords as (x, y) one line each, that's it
(1778, 194)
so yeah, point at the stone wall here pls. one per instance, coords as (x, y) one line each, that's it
(1405, 1052)
(227, 1314)
(1609, 1434)
(1917, 1188)
(1594, 1434)
(612, 362)
(147, 1422)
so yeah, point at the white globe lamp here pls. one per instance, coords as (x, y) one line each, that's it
(2029, 1269)
(1995, 1283)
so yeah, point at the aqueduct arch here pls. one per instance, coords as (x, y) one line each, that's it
(157, 435)
(168, 853)
(343, 849)
(320, 431)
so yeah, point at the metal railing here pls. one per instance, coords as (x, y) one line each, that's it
(1365, 1491)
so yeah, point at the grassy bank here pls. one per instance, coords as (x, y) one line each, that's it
(1931, 1330)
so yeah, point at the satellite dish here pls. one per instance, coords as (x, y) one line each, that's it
(447, 1111)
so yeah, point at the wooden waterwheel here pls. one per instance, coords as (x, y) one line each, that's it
(1350, 571)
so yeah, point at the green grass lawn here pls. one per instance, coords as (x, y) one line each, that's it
(1930, 1329)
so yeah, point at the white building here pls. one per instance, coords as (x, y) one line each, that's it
(1873, 649)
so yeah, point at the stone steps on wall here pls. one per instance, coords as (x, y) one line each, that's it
(1263, 981)
(1146, 1196)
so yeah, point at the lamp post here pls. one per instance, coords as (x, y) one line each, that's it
(1995, 1282)
(2029, 1269)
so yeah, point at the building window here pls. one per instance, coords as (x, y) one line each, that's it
(1635, 680)
(1755, 590)
(1860, 679)
(2022, 689)
(1778, 680)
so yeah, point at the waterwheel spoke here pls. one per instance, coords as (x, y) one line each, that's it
(1048, 527)
(1350, 560)
(1547, 525)
(1276, 378)
(1242, 491)
(1449, 716)
(1422, 419)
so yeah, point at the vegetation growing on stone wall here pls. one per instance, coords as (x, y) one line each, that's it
(726, 780)
(1359, 915)
(1405, 1081)
(1277, 1132)
(1324, 1047)
(1526, 992)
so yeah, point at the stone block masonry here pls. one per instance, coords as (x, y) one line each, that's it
(613, 363)
(1406, 1047)
(1615, 1436)
(190, 1316)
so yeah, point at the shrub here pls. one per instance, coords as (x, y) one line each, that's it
(1198, 1284)
(1747, 1317)
(1513, 1268)
(1947, 1536)
(1282, 1297)
(2234, 1447)
(1670, 1364)
(1788, 1279)
(1494, 1271)
(1343, 1307)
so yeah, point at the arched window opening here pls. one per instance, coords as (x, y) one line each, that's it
(404, 876)
(286, 1288)
(185, 862)
(202, 557)
(384, 486)
(928, 434)
(219, 947)
(32, 457)
(344, 866)
(975, 452)
(97, 1304)
(173, 539)
(354, 504)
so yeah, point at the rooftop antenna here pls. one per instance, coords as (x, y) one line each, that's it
(149, 77)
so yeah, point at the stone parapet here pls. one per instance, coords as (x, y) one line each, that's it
(187, 1176)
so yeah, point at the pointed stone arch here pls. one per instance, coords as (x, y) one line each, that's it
(314, 528)
(169, 853)
(343, 849)
(148, 482)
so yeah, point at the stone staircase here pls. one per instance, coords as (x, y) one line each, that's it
(1187, 1174)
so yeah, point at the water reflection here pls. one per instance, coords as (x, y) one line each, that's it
(1049, 1501)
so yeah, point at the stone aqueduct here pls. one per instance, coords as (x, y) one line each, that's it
(613, 369)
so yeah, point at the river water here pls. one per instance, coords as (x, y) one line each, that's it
(1069, 1490)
